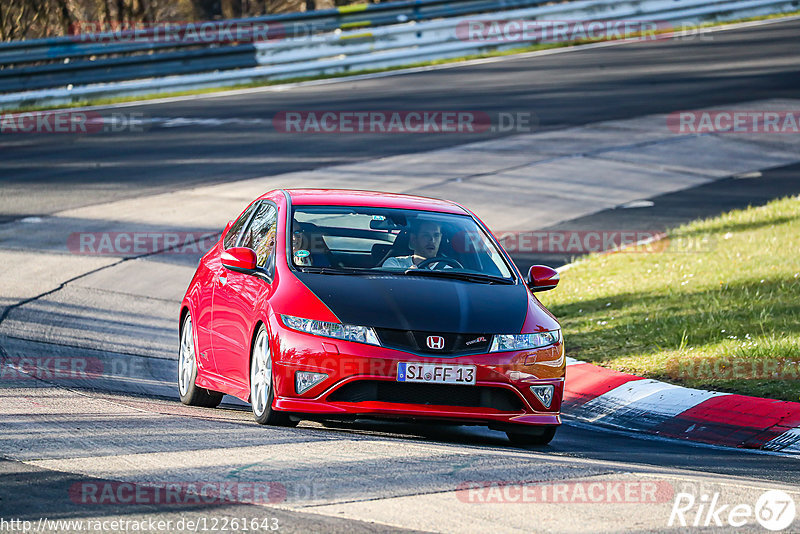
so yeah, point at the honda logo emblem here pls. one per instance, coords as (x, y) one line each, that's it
(435, 342)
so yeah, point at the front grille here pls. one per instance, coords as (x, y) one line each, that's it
(416, 341)
(428, 394)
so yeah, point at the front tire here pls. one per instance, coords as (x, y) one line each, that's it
(262, 385)
(190, 393)
(534, 436)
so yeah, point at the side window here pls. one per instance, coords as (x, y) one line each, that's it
(261, 235)
(233, 234)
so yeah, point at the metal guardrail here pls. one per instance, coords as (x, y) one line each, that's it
(96, 58)
(375, 44)
(288, 25)
(127, 67)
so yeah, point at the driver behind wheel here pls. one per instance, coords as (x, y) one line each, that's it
(423, 240)
(308, 248)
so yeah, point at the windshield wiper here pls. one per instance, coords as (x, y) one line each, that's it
(331, 270)
(461, 275)
(318, 270)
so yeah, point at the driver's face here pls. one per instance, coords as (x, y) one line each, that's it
(297, 237)
(426, 241)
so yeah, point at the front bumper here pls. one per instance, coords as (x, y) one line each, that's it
(506, 375)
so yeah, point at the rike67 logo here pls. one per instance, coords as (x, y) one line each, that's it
(774, 510)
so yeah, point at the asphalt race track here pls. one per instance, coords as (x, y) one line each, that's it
(365, 476)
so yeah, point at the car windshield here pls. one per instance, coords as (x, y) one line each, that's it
(337, 240)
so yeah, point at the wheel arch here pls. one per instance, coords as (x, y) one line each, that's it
(256, 327)
(184, 312)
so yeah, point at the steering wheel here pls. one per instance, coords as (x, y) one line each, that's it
(426, 264)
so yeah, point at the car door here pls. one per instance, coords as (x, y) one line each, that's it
(209, 276)
(236, 295)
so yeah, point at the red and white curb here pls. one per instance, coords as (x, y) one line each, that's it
(603, 396)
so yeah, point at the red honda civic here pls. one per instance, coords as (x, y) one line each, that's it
(334, 304)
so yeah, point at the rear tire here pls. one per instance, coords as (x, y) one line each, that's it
(190, 393)
(262, 384)
(532, 436)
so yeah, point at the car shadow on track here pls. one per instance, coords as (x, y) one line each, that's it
(423, 431)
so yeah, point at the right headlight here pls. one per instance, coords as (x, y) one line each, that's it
(360, 334)
(504, 342)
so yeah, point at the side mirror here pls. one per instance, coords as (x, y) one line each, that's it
(240, 259)
(542, 278)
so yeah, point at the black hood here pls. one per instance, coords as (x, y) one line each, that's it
(422, 304)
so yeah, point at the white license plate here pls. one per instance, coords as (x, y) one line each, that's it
(436, 373)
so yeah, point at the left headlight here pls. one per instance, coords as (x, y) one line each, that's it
(347, 332)
(503, 342)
